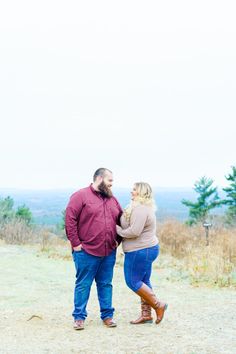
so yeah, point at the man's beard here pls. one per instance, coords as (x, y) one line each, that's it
(104, 190)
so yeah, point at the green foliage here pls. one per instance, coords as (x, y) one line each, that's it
(6, 209)
(207, 200)
(62, 223)
(7, 213)
(24, 213)
(230, 200)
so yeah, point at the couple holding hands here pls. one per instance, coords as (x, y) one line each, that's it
(95, 225)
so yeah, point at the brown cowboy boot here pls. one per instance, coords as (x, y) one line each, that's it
(148, 295)
(146, 314)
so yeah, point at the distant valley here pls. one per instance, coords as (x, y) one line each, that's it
(47, 205)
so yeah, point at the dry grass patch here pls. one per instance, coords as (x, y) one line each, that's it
(212, 264)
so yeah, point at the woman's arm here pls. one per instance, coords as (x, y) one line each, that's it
(137, 222)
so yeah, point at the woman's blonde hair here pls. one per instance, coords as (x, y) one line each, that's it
(144, 197)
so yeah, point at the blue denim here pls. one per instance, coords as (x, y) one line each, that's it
(90, 268)
(138, 267)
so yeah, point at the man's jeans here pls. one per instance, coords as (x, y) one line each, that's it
(88, 268)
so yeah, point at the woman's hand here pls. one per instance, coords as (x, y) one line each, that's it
(118, 229)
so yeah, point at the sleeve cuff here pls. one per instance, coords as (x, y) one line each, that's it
(75, 243)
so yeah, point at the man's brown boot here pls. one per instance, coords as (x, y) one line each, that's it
(108, 322)
(78, 324)
(148, 295)
(146, 314)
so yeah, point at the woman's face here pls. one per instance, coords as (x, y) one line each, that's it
(134, 193)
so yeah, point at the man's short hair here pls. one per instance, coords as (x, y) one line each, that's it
(100, 172)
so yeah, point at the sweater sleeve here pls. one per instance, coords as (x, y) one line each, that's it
(73, 211)
(137, 222)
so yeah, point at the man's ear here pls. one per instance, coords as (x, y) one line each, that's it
(100, 179)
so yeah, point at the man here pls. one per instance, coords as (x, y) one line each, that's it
(91, 217)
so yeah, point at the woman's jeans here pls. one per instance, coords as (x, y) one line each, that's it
(90, 268)
(138, 267)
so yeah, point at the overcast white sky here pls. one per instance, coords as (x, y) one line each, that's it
(145, 88)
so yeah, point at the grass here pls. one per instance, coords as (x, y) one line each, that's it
(214, 264)
(183, 250)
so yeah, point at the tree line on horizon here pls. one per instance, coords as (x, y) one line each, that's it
(199, 210)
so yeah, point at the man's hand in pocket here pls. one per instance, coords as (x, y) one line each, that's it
(77, 248)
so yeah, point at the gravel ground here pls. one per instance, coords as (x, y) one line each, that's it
(36, 296)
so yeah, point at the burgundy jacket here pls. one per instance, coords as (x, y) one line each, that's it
(90, 221)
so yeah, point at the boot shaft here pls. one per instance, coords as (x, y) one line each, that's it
(147, 295)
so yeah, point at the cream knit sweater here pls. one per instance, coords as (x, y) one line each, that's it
(140, 232)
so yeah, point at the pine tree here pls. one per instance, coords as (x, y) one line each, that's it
(6, 209)
(230, 200)
(24, 213)
(207, 200)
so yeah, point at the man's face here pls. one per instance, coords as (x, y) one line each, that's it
(105, 185)
(108, 179)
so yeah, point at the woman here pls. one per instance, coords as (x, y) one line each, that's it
(140, 245)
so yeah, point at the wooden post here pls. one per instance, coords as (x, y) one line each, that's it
(207, 225)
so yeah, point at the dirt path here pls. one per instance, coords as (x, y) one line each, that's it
(198, 320)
